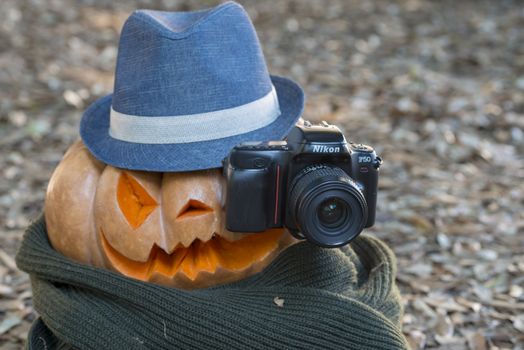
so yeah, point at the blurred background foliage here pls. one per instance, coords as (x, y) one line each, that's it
(436, 86)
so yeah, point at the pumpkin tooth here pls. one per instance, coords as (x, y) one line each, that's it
(207, 259)
(188, 264)
(178, 257)
(203, 237)
(153, 262)
(206, 237)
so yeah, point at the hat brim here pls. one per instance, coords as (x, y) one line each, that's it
(179, 157)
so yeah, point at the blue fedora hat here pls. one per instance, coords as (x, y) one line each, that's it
(189, 86)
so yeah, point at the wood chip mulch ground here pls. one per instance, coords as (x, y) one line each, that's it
(436, 87)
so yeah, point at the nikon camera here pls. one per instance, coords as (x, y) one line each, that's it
(314, 183)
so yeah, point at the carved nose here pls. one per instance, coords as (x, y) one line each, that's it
(193, 208)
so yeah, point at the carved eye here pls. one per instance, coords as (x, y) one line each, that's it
(193, 208)
(134, 201)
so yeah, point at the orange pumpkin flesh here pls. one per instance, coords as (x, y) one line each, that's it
(199, 256)
(166, 228)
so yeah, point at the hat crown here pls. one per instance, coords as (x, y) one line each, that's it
(182, 63)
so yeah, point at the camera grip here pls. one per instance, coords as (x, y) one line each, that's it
(246, 201)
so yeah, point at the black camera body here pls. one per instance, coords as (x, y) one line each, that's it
(314, 183)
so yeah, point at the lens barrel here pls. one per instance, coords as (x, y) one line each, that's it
(328, 207)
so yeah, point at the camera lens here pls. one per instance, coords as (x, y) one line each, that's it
(332, 212)
(328, 207)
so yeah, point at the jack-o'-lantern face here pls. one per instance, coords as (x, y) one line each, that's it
(166, 228)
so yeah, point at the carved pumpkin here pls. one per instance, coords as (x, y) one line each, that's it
(166, 228)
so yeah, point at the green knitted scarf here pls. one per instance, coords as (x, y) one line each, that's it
(332, 299)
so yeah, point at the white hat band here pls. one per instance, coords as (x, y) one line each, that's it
(195, 127)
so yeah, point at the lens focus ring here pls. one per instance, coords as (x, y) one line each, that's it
(328, 207)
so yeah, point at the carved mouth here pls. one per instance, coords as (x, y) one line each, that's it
(198, 256)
